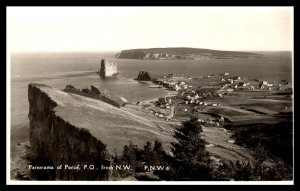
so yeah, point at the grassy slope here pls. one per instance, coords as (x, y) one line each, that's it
(113, 126)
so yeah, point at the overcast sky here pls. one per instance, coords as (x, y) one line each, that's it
(118, 28)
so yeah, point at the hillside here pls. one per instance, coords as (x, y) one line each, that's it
(182, 53)
(113, 126)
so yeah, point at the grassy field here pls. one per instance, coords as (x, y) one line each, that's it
(113, 126)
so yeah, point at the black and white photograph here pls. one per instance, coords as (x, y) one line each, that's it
(150, 95)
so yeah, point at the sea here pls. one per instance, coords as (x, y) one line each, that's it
(79, 69)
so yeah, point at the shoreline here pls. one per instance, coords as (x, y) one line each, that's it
(148, 101)
(210, 129)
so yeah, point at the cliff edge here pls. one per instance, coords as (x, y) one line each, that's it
(69, 129)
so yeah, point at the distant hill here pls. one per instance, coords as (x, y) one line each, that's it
(182, 53)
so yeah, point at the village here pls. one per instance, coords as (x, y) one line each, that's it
(218, 98)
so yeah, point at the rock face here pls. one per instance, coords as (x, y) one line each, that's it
(108, 68)
(69, 129)
(143, 76)
(95, 90)
(98, 93)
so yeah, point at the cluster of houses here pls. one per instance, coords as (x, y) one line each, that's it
(172, 85)
(191, 97)
(236, 82)
(266, 85)
(164, 102)
(231, 80)
(211, 122)
(196, 97)
(157, 114)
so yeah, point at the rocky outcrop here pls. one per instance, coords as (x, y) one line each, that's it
(95, 90)
(143, 76)
(98, 93)
(108, 68)
(73, 130)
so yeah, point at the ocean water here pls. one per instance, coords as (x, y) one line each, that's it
(79, 69)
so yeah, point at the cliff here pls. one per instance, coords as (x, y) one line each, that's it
(69, 129)
(108, 68)
(182, 53)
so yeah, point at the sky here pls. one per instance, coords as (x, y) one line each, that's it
(31, 29)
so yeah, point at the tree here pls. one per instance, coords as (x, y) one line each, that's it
(243, 170)
(158, 147)
(276, 170)
(159, 155)
(191, 161)
(129, 154)
(146, 153)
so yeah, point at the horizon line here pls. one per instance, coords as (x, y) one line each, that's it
(97, 51)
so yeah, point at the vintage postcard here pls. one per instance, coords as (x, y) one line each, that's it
(150, 95)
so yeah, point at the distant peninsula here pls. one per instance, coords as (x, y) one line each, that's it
(183, 53)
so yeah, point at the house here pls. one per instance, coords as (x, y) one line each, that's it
(240, 84)
(200, 120)
(156, 55)
(169, 100)
(230, 80)
(236, 78)
(264, 83)
(224, 86)
(185, 86)
(170, 75)
(221, 119)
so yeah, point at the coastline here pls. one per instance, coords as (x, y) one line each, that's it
(219, 141)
